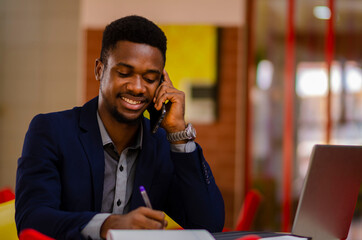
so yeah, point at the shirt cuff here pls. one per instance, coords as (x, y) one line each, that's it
(93, 229)
(184, 147)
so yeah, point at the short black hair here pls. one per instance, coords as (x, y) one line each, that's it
(135, 29)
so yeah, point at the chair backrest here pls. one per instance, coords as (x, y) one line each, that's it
(7, 221)
(248, 210)
(31, 234)
(6, 194)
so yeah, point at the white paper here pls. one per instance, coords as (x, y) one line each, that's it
(159, 235)
(285, 238)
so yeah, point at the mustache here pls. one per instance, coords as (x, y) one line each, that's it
(137, 97)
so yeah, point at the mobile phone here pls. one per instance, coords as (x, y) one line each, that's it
(156, 117)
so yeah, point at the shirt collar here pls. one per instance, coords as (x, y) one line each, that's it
(106, 139)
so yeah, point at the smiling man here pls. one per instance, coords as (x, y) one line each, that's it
(81, 169)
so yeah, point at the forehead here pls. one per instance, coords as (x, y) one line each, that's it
(135, 54)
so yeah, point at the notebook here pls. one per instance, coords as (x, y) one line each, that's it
(159, 235)
(329, 193)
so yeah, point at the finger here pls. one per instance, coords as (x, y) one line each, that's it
(166, 81)
(153, 224)
(153, 219)
(173, 97)
(166, 77)
(157, 92)
(160, 89)
(165, 93)
(153, 214)
(145, 218)
(165, 224)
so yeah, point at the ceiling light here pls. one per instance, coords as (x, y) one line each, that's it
(322, 12)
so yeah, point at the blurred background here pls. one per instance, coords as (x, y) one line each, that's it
(265, 80)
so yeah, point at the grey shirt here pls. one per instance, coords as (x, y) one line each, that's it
(119, 172)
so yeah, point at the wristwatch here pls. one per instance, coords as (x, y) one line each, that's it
(188, 134)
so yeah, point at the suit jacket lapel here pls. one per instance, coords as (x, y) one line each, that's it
(146, 165)
(91, 140)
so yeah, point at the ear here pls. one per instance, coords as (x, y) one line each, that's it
(98, 70)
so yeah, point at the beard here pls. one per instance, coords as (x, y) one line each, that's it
(123, 119)
(117, 115)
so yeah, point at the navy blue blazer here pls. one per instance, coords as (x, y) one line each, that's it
(59, 182)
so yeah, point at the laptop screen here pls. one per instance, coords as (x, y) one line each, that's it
(330, 191)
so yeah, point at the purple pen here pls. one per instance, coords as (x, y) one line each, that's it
(145, 197)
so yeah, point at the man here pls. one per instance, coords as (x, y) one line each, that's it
(81, 169)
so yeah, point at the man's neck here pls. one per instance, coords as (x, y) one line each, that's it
(123, 135)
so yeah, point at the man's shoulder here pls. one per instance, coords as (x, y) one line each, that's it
(54, 120)
(63, 114)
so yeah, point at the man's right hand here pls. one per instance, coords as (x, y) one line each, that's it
(140, 218)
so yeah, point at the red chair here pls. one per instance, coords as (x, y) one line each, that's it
(248, 210)
(31, 234)
(6, 194)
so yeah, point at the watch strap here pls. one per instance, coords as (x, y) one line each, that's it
(188, 134)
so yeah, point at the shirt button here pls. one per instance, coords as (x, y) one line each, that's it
(121, 168)
(119, 202)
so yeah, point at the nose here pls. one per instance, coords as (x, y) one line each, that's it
(136, 86)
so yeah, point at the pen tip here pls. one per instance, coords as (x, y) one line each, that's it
(142, 188)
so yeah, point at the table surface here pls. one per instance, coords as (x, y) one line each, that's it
(237, 234)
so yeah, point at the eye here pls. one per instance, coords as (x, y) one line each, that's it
(123, 75)
(149, 80)
(151, 77)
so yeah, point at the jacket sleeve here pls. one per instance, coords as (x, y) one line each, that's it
(38, 185)
(195, 198)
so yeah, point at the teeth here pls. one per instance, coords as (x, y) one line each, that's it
(131, 101)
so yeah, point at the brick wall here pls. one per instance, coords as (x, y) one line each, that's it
(218, 139)
(93, 50)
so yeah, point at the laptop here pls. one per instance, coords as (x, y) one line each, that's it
(328, 198)
(330, 191)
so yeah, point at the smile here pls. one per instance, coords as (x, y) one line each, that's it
(133, 102)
